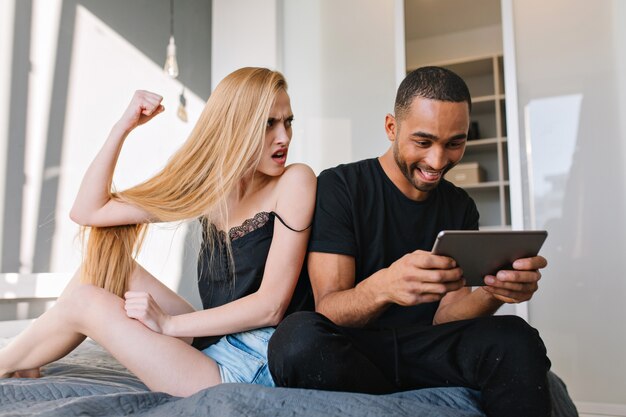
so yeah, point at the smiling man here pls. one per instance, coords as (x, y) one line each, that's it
(390, 316)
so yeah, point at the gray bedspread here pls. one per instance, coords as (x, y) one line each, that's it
(89, 382)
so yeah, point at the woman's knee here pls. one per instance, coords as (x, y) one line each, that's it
(86, 299)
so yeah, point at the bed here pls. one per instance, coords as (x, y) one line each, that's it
(91, 382)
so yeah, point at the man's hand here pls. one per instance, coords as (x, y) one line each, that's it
(141, 306)
(420, 277)
(518, 285)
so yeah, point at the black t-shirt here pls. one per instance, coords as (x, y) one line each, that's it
(360, 212)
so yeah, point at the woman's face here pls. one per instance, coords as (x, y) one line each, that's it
(277, 137)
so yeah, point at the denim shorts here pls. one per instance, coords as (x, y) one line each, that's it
(242, 357)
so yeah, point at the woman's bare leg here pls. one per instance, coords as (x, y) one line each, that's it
(172, 303)
(142, 280)
(163, 363)
(66, 341)
(44, 335)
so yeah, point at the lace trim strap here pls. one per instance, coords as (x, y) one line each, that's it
(250, 225)
(287, 226)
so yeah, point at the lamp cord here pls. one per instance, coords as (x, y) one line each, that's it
(171, 17)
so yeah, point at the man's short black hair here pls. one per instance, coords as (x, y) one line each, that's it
(434, 83)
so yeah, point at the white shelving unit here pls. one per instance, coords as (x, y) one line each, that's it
(485, 78)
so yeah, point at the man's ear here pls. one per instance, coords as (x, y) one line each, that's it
(391, 127)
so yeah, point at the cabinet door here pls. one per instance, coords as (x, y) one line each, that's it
(571, 69)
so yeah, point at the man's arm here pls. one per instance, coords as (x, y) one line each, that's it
(509, 286)
(416, 278)
(336, 297)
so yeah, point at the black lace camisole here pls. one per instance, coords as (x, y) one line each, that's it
(250, 245)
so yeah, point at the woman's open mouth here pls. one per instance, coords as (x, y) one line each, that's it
(280, 157)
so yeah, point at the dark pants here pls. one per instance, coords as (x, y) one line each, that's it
(502, 356)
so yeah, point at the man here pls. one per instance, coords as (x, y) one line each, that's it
(391, 316)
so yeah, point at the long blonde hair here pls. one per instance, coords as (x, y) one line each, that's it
(225, 145)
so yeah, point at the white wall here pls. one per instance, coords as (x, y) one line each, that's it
(340, 61)
(342, 77)
(69, 75)
(44, 38)
(98, 93)
(6, 50)
(245, 33)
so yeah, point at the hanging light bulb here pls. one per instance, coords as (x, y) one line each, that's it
(182, 106)
(171, 65)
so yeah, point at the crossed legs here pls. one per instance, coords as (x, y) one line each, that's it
(163, 363)
(499, 355)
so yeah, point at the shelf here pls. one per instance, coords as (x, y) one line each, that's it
(480, 143)
(489, 98)
(487, 142)
(471, 68)
(486, 184)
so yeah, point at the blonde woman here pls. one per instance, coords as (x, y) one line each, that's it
(231, 175)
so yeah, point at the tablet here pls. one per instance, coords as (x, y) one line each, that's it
(480, 253)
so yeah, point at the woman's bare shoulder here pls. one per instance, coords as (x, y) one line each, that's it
(296, 195)
(298, 175)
